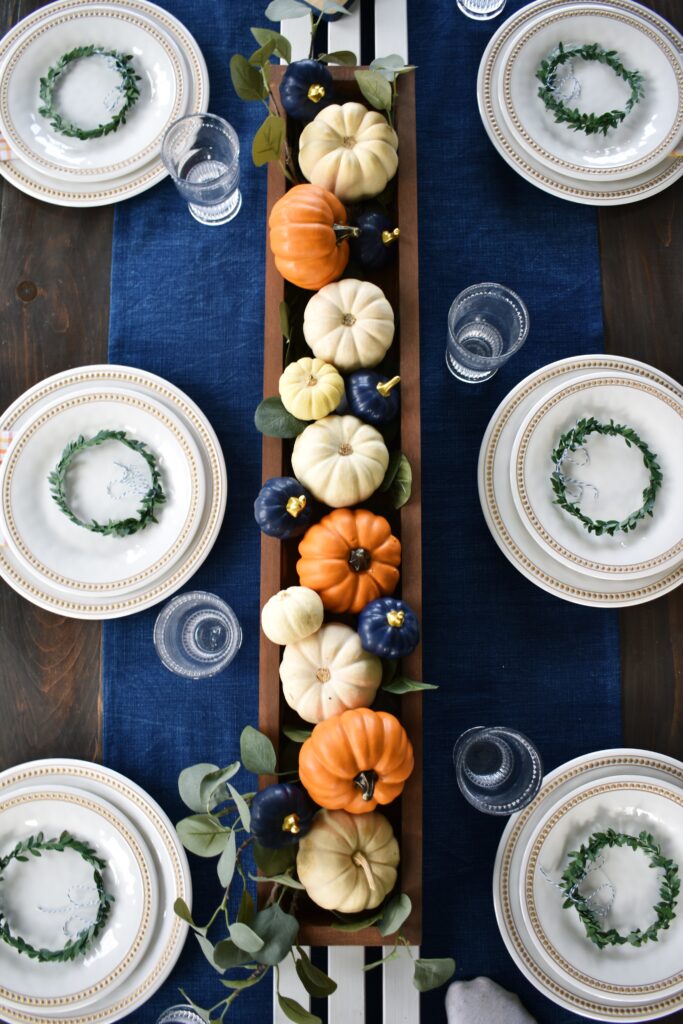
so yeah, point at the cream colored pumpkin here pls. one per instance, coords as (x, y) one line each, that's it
(328, 673)
(349, 323)
(340, 459)
(347, 862)
(292, 615)
(311, 388)
(349, 150)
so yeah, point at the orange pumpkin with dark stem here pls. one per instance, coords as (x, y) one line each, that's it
(308, 233)
(349, 558)
(356, 760)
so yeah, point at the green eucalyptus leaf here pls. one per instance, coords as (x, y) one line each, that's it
(392, 470)
(261, 56)
(274, 862)
(190, 782)
(344, 57)
(273, 420)
(294, 1011)
(181, 910)
(226, 955)
(350, 924)
(286, 880)
(297, 735)
(242, 806)
(393, 60)
(285, 326)
(202, 834)
(246, 79)
(332, 7)
(245, 937)
(394, 955)
(283, 47)
(396, 912)
(241, 983)
(246, 909)
(207, 948)
(316, 982)
(268, 140)
(402, 484)
(375, 89)
(227, 861)
(213, 782)
(279, 10)
(257, 752)
(401, 684)
(431, 974)
(278, 931)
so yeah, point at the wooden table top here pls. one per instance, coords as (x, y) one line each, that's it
(54, 309)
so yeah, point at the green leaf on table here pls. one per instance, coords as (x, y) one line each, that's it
(297, 735)
(294, 1011)
(227, 861)
(286, 880)
(241, 983)
(393, 60)
(257, 752)
(181, 910)
(242, 807)
(355, 924)
(278, 932)
(332, 7)
(343, 57)
(245, 937)
(208, 950)
(392, 470)
(246, 909)
(260, 57)
(401, 684)
(268, 140)
(431, 974)
(316, 982)
(375, 89)
(190, 785)
(285, 325)
(274, 862)
(402, 485)
(279, 10)
(226, 955)
(397, 911)
(203, 834)
(212, 787)
(393, 955)
(246, 79)
(283, 47)
(273, 420)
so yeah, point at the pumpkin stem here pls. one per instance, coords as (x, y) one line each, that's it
(386, 387)
(360, 559)
(291, 824)
(344, 231)
(296, 505)
(391, 236)
(396, 619)
(316, 92)
(361, 862)
(366, 783)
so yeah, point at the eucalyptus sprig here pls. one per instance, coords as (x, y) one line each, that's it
(379, 84)
(128, 88)
(35, 846)
(580, 862)
(590, 123)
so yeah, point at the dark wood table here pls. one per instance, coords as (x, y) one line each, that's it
(54, 309)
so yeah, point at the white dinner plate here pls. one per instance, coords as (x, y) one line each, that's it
(508, 889)
(49, 899)
(89, 93)
(591, 193)
(84, 194)
(169, 863)
(495, 493)
(623, 879)
(612, 481)
(649, 132)
(81, 382)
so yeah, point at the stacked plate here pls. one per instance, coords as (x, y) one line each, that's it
(66, 568)
(50, 899)
(629, 791)
(632, 161)
(69, 171)
(545, 543)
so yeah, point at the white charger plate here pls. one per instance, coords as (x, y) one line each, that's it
(616, 476)
(508, 888)
(86, 194)
(71, 557)
(495, 493)
(169, 863)
(47, 898)
(85, 92)
(590, 193)
(649, 132)
(626, 804)
(81, 382)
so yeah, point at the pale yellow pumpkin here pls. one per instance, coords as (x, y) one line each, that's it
(349, 323)
(347, 862)
(350, 151)
(292, 614)
(328, 672)
(311, 388)
(340, 459)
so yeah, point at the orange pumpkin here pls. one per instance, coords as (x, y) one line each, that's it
(356, 760)
(308, 233)
(350, 558)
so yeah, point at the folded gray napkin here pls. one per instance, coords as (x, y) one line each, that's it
(481, 1001)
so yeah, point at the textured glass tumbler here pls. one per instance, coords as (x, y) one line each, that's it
(180, 1015)
(201, 152)
(499, 770)
(480, 10)
(487, 324)
(197, 635)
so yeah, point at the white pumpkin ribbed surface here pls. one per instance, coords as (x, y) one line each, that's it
(340, 459)
(292, 615)
(349, 323)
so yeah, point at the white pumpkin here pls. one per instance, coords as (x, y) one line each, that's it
(340, 459)
(329, 672)
(349, 323)
(349, 150)
(347, 862)
(292, 615)
(311, 388)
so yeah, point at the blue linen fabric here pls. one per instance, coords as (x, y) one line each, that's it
(187, 303)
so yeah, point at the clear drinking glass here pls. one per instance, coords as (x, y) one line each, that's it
(180, 1015)
(481, 10)
(499, 770)
(487, 324)
(197, 635)
(201, 152)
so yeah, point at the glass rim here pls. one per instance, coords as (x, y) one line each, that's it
(165, 655)
(215, 122)
(489, 362)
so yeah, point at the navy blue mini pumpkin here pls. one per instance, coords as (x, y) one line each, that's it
(306, 88)
(281, 815)
(283, 508)
(375, 246)
(371, 396)
(389, 628)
